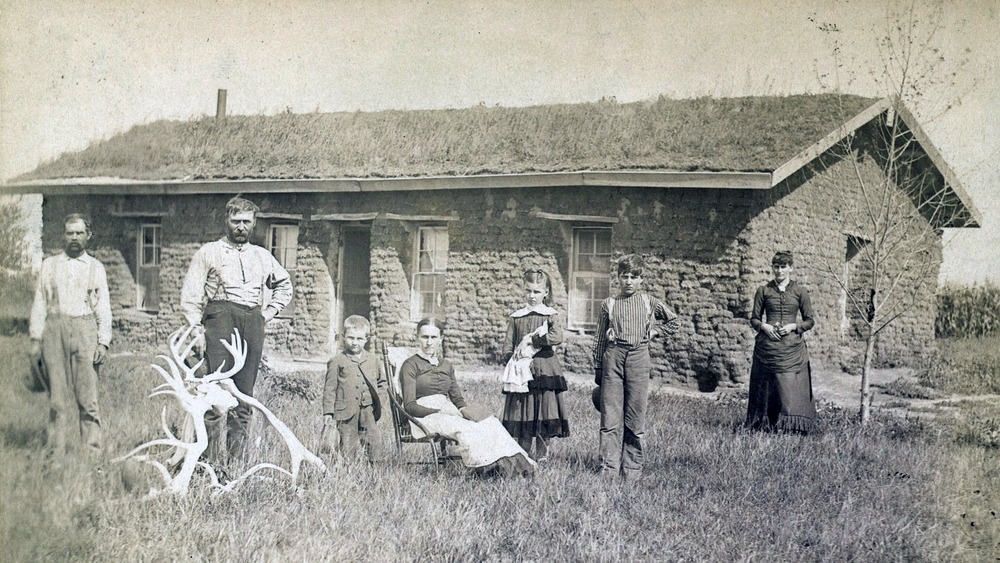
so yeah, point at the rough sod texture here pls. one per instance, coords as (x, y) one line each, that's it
(703, 134)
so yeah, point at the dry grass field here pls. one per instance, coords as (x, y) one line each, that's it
(898, 490)
(965, 366)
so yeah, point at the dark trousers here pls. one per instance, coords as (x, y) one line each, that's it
(624, 394)
(219, 320)
(360, 430)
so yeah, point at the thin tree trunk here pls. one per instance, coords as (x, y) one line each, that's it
(866, 368)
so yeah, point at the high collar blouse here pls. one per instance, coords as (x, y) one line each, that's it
(779, 308)
(419, 378)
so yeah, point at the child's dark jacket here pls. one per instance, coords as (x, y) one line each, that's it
(347, 379)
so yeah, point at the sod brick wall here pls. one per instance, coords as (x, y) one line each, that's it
(707, 250)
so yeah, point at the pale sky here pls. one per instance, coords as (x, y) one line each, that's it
(72, 72)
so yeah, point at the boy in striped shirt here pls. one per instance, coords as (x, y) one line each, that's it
(621, 360)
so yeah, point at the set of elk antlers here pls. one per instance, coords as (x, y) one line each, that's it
(196, 396)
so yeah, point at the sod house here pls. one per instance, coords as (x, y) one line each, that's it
(397, 215)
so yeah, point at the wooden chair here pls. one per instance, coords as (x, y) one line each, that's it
(393, 358)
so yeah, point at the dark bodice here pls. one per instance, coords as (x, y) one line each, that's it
(545, 367)
(779, 308)
(420, 379)
(519, 327)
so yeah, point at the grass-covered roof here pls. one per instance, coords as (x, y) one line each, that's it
(754, 134)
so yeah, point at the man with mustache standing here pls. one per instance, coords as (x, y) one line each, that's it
(70, 328)
(232, 283)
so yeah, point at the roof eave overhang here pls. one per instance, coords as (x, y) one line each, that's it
(829, 141)
(972, 219)
(631, 179)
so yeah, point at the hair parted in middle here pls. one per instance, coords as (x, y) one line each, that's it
(540, 277)
(357, 322)
(438, 324)
(631, 264)
(431, 321)
(241, 205)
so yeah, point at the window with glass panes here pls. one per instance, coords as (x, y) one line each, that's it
(283, 242)
(148, 267)
(150, 242)
(429, 269)
(590, 281)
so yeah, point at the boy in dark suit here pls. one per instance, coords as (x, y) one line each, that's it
(350, 396)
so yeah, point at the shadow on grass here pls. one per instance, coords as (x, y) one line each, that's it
(21, 437)
(583, 461)
(688, 463)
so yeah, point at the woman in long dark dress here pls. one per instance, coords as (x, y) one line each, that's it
(432, 394)
(780, 379)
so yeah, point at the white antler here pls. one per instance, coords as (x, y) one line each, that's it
(238, 349)
(296, 451)
(180, 351)
(196, 396)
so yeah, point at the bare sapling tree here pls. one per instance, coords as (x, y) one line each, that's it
(893, 246)
(196, 396)
(898, 196)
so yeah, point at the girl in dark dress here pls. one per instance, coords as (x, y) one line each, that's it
(780, 379)
(536, 413)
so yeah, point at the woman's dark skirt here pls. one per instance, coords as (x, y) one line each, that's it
(781, 399)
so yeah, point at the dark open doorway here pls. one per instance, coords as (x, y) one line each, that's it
(354, 271)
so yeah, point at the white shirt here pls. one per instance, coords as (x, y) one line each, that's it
(72, 287)
(223, 271)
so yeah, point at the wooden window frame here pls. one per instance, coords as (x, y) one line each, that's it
(272, 241)
(438, 272)
(576, 274)
(142, 263)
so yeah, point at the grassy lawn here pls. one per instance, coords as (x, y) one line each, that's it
(897, 490)
(15, 303)
(965, 366)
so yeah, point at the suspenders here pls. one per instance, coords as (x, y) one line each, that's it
(93, 295)
(649, 315)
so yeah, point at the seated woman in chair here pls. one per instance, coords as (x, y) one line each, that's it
(431, 393)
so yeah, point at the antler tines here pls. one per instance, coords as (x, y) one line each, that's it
(237, 347)
(196, 396)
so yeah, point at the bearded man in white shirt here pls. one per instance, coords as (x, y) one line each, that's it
(232, 283)
(70, 328)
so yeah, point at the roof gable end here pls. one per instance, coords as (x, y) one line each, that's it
(948, 194)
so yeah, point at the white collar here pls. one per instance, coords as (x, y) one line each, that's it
(82, 257)
(541, 309)
(432, 361)
(233, 245)
(783, 286)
